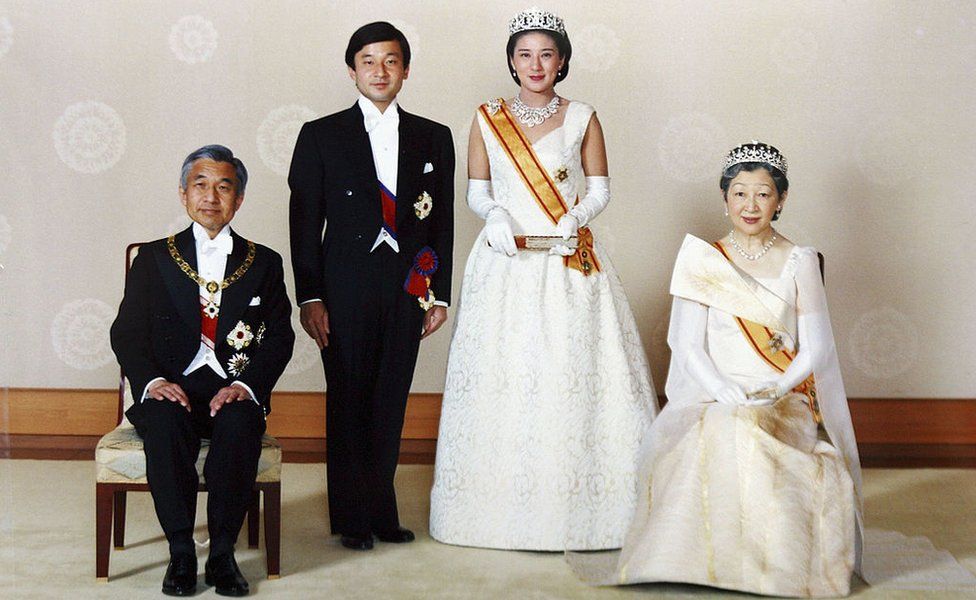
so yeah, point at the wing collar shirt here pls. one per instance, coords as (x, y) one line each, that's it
(384, 140)
(211, 265)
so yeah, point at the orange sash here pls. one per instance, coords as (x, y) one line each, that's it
(537, 180)
(769, 347)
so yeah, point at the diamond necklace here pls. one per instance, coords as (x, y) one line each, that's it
(531, 116)
(746, 255)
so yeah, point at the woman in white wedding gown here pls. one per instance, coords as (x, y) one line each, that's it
(750, 477)
(548, 390)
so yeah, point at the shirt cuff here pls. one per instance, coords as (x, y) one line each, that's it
(441, 303)
(308, 301)
(249, 390)
(145, 390)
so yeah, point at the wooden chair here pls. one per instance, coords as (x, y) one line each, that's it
(120, 467)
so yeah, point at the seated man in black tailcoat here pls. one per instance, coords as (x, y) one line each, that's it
(203, 334)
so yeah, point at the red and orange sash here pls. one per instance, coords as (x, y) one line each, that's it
(537, 180)
(771, 350)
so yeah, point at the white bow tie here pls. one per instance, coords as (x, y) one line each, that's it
(372, 120)
(223, 244)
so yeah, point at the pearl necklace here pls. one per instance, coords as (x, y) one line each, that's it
(531, 116)
(746, 255)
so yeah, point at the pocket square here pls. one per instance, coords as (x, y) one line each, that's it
(255, 301)
(428, 167)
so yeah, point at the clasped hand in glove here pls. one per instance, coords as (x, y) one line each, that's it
(567, 227)
(759, 395)
(498, 231)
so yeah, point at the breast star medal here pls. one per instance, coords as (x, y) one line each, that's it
(423, 205)
(240, 337)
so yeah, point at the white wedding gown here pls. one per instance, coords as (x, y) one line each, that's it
(755, 499)
(548, 392)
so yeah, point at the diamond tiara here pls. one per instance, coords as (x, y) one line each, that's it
(535, 18)
(756, 152)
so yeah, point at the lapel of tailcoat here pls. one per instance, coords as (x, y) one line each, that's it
(361, 158)
(409, 166)
(183, 291)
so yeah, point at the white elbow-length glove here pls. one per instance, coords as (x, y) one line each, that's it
(595, 199)
(814, 334)
(480, 199)
(687, 340)
(498, 223)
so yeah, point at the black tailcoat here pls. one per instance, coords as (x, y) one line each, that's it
(157, 334)
(375, 324)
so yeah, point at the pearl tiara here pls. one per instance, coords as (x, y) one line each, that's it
(535, 18)
(756, 152)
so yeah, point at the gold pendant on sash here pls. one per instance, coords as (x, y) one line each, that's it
(211, 309)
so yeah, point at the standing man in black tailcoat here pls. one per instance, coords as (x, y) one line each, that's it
(203, 334)
(381, 182)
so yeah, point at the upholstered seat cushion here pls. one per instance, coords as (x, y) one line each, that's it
(119, 457)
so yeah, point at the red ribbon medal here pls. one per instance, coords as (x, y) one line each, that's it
(418, 279)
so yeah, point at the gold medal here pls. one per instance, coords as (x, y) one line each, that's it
(211, 309)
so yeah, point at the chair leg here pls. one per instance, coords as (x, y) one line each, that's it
(119, 527)
(103, 529)
(253, 519)
(272, 528)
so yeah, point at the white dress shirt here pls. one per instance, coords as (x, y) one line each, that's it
(211, 265)
(384, 140)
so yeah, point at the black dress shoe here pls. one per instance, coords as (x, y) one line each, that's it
(400, 535)
(355, 541)
(181, 575)
(223, 573)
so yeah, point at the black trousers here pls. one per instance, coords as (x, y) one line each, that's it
(171, 438)
(369, 364)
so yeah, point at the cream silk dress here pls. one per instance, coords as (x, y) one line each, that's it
(755, 499)
(548, 392)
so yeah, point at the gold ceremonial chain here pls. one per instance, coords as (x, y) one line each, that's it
(211, 310)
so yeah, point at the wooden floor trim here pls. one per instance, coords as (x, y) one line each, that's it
(66, 424)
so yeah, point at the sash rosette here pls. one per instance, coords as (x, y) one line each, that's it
(418, 279)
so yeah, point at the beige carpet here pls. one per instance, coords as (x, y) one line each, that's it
(47, 543)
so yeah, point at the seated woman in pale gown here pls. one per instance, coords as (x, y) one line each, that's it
(750, 477)
(548, 392)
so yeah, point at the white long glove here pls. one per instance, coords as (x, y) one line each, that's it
(596, 198)
(498, 223)
(480, 199)
(815, 338)
(814, 335)
(687, 341)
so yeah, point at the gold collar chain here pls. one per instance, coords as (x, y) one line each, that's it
(212, 287)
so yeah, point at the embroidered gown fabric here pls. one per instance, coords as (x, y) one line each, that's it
(548, 391)
(744, 498)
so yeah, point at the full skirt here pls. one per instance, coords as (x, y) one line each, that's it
(547, 397)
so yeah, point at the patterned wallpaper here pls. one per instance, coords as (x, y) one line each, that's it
(871, 101)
